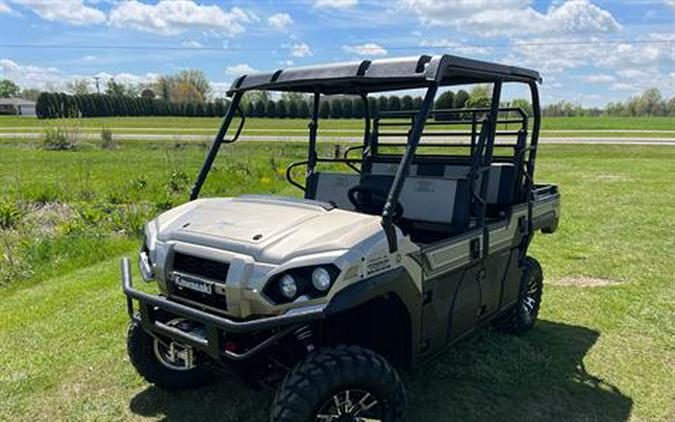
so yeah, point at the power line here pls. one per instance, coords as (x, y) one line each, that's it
(363, 48)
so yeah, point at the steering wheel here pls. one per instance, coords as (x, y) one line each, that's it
(371, 200)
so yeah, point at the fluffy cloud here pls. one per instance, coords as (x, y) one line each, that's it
(368, 49)
(170, 17)
(240, 69)
(74, 12)
(599, 78)
(4, 8)
(458, 48)
(335, 4)
(513, 17)
(280, 21)
(51, 78)
(300, 50)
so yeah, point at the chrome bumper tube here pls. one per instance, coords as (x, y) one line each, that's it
(214, 325)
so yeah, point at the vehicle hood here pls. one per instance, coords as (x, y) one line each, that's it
(271, 229)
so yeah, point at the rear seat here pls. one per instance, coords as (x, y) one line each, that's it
(435, 197)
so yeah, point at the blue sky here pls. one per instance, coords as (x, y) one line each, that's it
(589, 51)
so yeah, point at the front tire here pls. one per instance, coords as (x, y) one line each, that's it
(522, 316)
(150, 359)
(347, 383)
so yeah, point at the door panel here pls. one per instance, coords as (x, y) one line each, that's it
(491, 282)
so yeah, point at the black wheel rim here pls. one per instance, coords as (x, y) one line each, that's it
(530, 299)
(353, 405)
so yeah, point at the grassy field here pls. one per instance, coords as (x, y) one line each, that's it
(598, 353)
(350, 127)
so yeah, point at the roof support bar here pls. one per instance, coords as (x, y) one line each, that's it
(313, 130)
(401, 173)
(213, 152)
(486, 162)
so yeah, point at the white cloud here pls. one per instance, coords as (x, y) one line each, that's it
(53, 79)
(240, 69)
(300, 50)
(191, 44)
(335, 4)
(513, 17)
(367, 49)
(4, 7)
(599, 78)
(459, 48)
(280, 21)
(74, 12)
(170, 17)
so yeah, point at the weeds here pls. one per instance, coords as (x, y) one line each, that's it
(107, 141)
(10, 214)
(62, 137)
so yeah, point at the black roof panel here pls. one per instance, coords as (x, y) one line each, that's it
(383, 75)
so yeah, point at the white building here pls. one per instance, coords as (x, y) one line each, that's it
(17, 106)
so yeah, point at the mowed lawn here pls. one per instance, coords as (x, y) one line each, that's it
(566, 127)
(602, 353)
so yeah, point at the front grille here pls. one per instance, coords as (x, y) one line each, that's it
(201, 267)
(213, 300)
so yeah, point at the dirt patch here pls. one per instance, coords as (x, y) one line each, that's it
(585, 281)
(45, 219)
(611, 178)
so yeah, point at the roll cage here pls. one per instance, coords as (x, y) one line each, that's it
(424, 72)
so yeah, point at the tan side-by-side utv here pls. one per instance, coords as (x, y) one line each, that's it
(422, 239)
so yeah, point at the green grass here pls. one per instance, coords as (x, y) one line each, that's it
(209, 123)
(598, 354)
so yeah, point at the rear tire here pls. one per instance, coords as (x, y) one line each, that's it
(522, 316)
(143, 353)
(346, 383)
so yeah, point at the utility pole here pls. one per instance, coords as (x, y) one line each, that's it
(98, 88)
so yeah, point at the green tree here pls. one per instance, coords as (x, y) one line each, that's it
(8, 89)
(359, 108)
(282, 110)
(303, 110)
(382, 103)
(270, 109)
(394, 103)
(347, 108)
(249, 109)
(324, 108)
(407, 103)
(148, 93)
(219, 107)
(293, 109)
(461, 98)
(259, 109)
(523, 104)
(445, 101)
(336, 109)
(78, 87)
(114, 89)
(199, 109)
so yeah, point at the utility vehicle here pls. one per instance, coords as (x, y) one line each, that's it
(420, 240)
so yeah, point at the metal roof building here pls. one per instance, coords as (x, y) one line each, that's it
(17, 106)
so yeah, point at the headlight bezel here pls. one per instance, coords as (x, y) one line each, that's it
(145, 262)
(303, 280)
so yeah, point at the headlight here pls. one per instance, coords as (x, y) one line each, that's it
(321, 279)
(145, 264)
(301, 283)
(287, 286)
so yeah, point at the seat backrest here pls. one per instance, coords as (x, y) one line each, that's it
(333, 188)
(436, 200)
(501, 181)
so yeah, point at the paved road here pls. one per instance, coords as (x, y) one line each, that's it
(636, 140)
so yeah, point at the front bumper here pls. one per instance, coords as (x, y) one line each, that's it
(216, 327)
